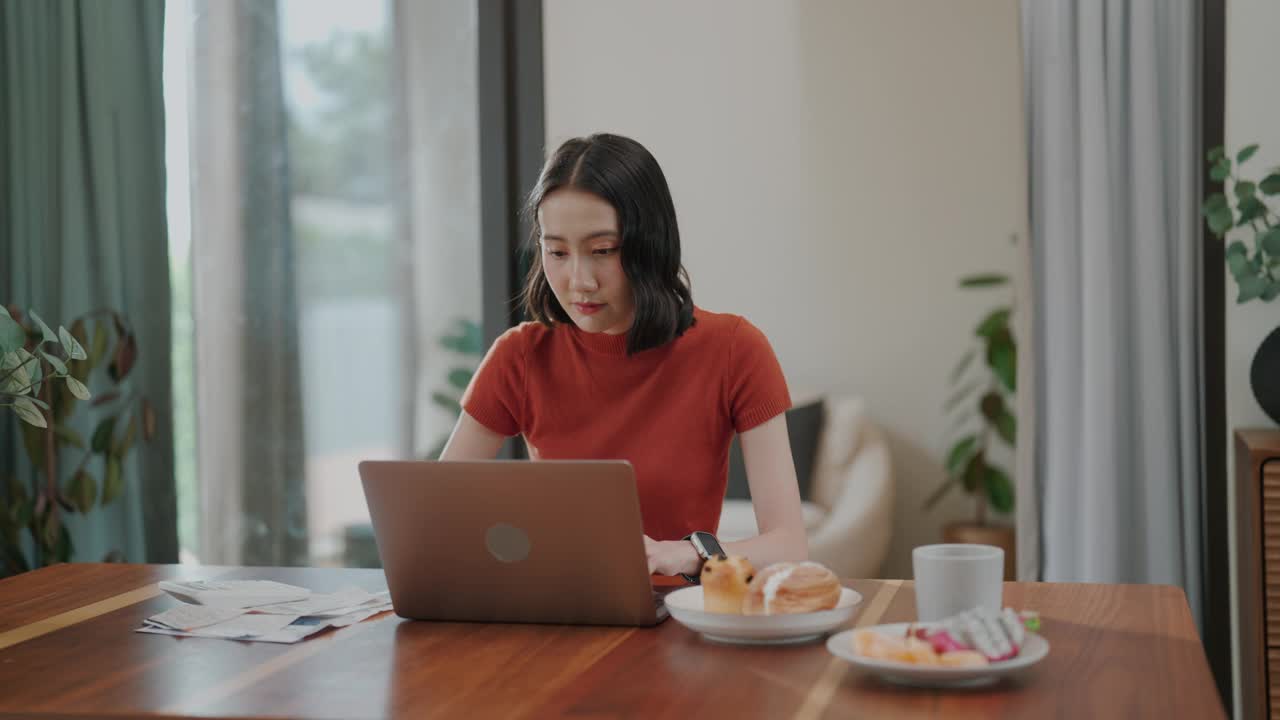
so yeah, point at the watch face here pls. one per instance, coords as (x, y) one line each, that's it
(708, 543)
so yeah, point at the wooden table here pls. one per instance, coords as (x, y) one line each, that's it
(68, 650)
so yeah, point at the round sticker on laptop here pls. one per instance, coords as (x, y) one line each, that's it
(507, 543)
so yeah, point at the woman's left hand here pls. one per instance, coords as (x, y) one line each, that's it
(671, 557)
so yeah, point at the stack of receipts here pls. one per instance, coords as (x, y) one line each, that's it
(260, 610)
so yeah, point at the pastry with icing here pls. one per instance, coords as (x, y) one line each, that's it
(787, 587)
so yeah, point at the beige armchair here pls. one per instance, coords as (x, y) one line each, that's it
(849, 514)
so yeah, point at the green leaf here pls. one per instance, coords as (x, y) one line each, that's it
(69, 436)
(1237, 248)
(1272, 291)
(1221, 220)
(12, 336)
(77, 388)
(960, 395)
(29, 413)
(1007, 427)
(974, 472)
(46, 334)
(984, 280)
(469, 339)
(960, 454)
(963, 365)
(34, 369)
(991, 406)
(1214, 202)
(1238, 263)
(1245, 189)
(999, 489)
(460, 378)
(101, 441)
(126, 442)
(82, 491)
(1251, 286)
(1246, 153)
(113, 481)
(14, 373)
(940, 493)
(58, 366)
(446, 402)
(1220, 170)
(1270, 241)
(1216, 154)
(71, 346)
(1251, 208)
(1270, 184)
(1003, 359)
(993, 323)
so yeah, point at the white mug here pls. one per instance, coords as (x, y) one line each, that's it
(953, 578)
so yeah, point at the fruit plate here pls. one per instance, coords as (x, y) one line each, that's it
(1034, 649)
(685, 606)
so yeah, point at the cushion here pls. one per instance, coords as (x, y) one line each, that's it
(804, 424)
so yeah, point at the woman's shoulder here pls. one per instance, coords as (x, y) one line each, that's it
(720, 326)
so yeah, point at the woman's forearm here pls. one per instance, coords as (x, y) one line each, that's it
(780, 545)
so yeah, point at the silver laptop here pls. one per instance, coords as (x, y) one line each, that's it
(512, 541)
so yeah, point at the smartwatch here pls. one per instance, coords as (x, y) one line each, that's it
(707, 546)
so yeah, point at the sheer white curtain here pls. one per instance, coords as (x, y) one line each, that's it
(1112, 99)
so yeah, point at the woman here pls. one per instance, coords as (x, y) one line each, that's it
(618, 363)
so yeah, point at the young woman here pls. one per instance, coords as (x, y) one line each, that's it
(618, 363)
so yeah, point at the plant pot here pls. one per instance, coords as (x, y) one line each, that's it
(1264, 375)
(997, 535)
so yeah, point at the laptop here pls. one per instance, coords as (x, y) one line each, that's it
(512, 541)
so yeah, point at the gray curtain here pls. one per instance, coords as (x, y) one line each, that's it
(82, 223)
(1112, 99)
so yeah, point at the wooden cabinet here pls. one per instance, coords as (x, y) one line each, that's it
(1258, 570)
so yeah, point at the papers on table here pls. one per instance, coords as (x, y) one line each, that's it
(260, 610)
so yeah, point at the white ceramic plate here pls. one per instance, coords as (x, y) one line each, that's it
(841, 645)
(685, 605)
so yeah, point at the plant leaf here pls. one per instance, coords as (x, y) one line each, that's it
(113, 481)
(1238, 262)
(58, 366)
(991, 406)
(82, 491)
(1269, 241)
(29, 413)
(1216, 154)
(1003, 359)
(974, 472)
(1246, 153)
(960, 454)
(13, 370)
(984, 280)
(1007, 427)
(102, 434)
(105, 398)
(12, 336)
(1216, 201)
(1273, 290)
(125, 356)
(960, 395)
(46, 334)
(460, 378)
(1251, 208)
(997, 320)
(69, 436)
(1270, 184)
(1251, 286)
(940, 492)
(77, 388)
(446, 402)
(1221, 220)
(71, 346)
(965, 361)
(1246, 189)
(1220, 170)
(999, 489)
(130, 434)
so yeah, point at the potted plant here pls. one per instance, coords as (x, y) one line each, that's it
(982, 405)
(1253, 257)
(32, 359)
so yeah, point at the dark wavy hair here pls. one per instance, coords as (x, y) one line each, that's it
(623, 173)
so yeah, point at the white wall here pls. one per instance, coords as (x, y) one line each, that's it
(836, 166)
(1252, 115)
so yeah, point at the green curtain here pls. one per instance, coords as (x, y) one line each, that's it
(82, 224)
